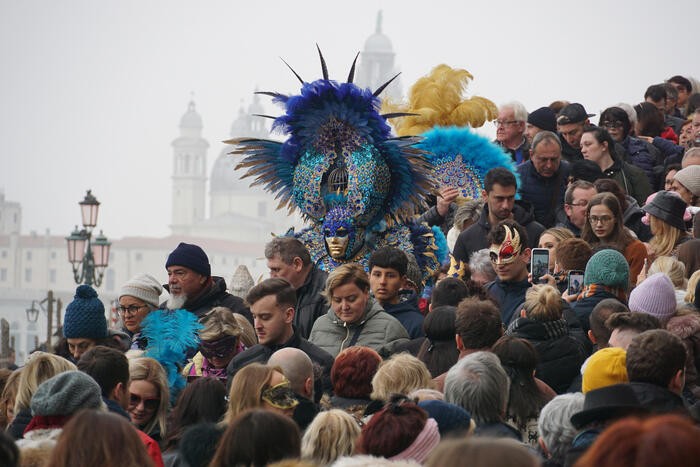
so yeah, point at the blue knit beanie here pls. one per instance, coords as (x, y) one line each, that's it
(85, 316)
(609, 268)
(449, 417)
(190, 256)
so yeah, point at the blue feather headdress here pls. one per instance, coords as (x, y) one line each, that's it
(170, 334)
(339, 153)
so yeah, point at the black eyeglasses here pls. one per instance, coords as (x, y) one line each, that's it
(613, 125)
(131, 309)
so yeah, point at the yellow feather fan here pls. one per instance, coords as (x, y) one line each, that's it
(438, 99)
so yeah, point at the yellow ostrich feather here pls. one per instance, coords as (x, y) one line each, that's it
(438, 99)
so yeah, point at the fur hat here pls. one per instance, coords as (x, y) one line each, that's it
(144, 287)
(609, 268)
(190, 256)
(605, 368)
(655, 296)
(65, 394)
(85, 316)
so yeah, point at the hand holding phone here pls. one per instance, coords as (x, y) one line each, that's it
(575, 285)
(539, 264)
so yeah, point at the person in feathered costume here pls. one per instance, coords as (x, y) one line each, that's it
(438, 110)
(357, 186)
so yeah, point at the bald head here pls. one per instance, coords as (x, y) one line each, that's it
(298, 369)
(691, 157)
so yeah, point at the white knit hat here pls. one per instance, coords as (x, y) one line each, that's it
(144, 287)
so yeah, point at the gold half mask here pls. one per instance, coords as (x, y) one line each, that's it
(509, 250)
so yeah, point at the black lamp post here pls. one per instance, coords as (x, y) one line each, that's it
(33, 314)
(88, 257)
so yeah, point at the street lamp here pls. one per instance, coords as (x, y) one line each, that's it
(89, 258)
(33, 314)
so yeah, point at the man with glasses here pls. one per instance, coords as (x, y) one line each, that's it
(576, 199)
(510, 131)
(543, 178)
(570, 123)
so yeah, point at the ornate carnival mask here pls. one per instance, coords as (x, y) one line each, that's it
(339, 233)
(509, 250)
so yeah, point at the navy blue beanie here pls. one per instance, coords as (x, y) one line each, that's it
(85, 316)
(190, 256)
(449, 417)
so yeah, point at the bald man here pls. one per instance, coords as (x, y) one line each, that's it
(299, 370)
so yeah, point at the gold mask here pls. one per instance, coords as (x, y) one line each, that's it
(509, 250)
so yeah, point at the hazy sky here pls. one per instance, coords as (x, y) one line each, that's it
(92, 91)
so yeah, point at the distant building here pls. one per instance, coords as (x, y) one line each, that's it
(377, 64)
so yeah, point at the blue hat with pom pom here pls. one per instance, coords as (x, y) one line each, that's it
(85, 316)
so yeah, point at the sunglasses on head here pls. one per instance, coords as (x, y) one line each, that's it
(220, 348)
(150, 403)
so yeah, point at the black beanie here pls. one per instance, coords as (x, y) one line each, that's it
(585, 170)
(190, 256)
(543, 118)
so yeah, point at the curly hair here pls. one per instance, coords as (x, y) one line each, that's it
(353, 370)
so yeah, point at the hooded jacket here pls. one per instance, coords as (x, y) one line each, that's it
(545, 193)
(632, 218)
(408, 313)
(214, 295)
(643, 155)
(560, 354)
(474, 238)
(311, 305)
(378, 330)
(584, 307)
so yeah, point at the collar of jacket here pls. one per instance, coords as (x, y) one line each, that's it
(372, 308)
(293, 341)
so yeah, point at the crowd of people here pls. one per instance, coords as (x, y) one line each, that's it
(595, 363)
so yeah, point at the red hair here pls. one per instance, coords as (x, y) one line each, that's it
(665, 440)
(392, 430)
(353, 370)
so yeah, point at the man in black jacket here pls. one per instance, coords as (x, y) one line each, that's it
(193, 288)
(288, 258)
(500, 187)
(656, 370)
(272, 305)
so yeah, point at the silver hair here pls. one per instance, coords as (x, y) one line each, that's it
(545, 136)
(479, 384)
(519, 110)
(629, 110)
(481, 262)
(554, 424)
(692, 152)
(468, 211)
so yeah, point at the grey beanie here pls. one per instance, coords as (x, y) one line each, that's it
(144, 287)
(690, 178)
(65, 394)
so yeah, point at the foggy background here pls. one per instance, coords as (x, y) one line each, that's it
(91, 92)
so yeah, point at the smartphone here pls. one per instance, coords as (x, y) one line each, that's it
(539, 264)
(575, 282)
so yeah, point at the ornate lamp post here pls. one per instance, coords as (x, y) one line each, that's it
(33, 314)
(88, 257)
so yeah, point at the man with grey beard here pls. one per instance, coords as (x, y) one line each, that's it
(193, 288)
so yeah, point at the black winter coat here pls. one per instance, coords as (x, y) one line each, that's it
(310, 303)
(561, 355)
(408, 313)
(261, 353)
(474, 238)
(20, 422)
(584, 307)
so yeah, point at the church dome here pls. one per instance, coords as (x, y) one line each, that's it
(191, 119)
(223, 175)
(378, 42)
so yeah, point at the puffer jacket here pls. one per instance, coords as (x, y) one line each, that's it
(380, 331)
(215, 295)
(643, 155)
(545, 193)
(561, 355)
(632, 218)
(687, 327)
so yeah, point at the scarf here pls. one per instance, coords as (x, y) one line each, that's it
(209, 370)
(592, 289)
(46, 422)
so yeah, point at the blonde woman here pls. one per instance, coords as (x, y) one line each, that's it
(692, 285)
(7, 400)
(220, 341)
(331, 434)
(149, 397)
(675, 270)
(400, 374)
(259, 386)
(550, 238)
(40, 367)
(666, 212)
(541, 323)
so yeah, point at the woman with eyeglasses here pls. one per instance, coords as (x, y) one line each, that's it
(137, 298)
(219, 343)
(638, 152)
(598, 146)
(149, 397)
(604, 226)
